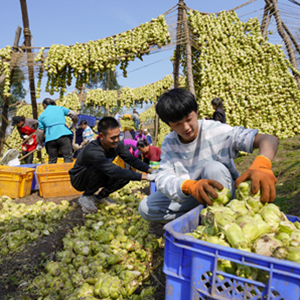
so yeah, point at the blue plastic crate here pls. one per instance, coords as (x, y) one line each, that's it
(191, 268)
(91, 121)
(35, 183)
(153, 188)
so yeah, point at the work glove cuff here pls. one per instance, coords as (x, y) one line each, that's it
(261, 162)
(186, 186)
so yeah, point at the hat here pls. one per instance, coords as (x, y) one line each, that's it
(16, 120)
(146, 130)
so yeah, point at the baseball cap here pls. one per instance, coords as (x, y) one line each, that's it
(16, 120)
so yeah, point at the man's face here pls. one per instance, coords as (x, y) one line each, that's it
(111, 138)
(187, 129)
(83, 126)
(144, 150)
(20, 124)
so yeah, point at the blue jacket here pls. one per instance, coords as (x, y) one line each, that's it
(53, 122)
(149, 139)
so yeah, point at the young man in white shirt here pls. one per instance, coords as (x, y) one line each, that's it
(197, 156)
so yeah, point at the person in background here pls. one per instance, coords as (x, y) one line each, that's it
(25, 128)
(148, 137)
(118, 117)
(78, 141)
(219, 114)
(150, 153)
(127, 134)
(136, 119)
(197, 157)
(131, 145)
(87, 134)
(140, 136)
(58, 136)
(94, 167)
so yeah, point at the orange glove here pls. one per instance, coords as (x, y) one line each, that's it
(200, 188)
(262, 178)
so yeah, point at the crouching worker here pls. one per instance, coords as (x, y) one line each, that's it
(198, 157)
(94, 168)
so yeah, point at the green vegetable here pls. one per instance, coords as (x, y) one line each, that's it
(223, 196)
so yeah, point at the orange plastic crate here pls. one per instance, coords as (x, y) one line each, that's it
(60, 160)
(15, 182)
(54, 180)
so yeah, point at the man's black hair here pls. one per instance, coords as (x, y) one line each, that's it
(176, 104)
(142, 144)
(217, 102)
(107, 123)
(83, 122)
(48, 101)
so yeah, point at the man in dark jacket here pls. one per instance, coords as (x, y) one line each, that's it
(94, 168)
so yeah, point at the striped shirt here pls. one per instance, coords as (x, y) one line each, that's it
(88, 134)
(215, 142)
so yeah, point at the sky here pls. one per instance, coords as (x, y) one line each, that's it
(70, 21)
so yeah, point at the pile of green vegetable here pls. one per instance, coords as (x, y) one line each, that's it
(108, 258)
(248, 224)
(232, 60)
(21, 224)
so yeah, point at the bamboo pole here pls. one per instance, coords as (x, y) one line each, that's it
(155, 127)
(286, 40)
(27, 35)
(189, 66)
(178, 46)
(265, 20)
(291, 37)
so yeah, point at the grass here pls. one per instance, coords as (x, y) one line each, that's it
(286, 167)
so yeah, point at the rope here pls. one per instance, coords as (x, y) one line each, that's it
(294, 2)
(149, 64)
(233, 9)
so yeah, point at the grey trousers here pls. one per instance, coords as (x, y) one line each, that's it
(160, 208)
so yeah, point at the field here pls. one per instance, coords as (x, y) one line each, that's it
(19, 268)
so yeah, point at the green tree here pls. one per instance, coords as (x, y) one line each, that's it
(17, 90)
(106, 81)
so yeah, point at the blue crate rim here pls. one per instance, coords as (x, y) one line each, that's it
(234, 251)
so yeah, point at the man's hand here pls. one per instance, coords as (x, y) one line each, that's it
(262, 178)
(149, 177)
(73, 126)
(39, 147)
(85, 142)
(200, 188)
(26, 137)
(76, 147)
(152, 171)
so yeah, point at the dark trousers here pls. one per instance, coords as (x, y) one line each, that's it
(97, 179)
(64, 145)
(28, 160)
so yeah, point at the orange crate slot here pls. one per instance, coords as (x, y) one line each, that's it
(15, 182)
(60, 160)
(54, 180)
